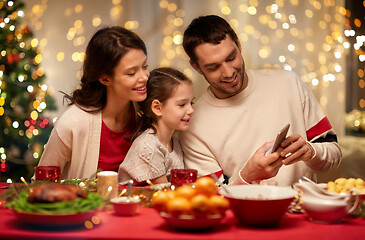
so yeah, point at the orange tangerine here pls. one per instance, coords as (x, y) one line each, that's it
(185, 191)
(171, 194)
(218, 204)
(206, 186)
(178, 206)
(161, 198)
(200, 204)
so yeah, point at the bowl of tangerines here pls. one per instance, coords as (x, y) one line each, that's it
(196, 206)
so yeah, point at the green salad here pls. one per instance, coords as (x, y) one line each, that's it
(92, 202)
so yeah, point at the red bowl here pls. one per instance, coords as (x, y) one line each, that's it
(259, 205)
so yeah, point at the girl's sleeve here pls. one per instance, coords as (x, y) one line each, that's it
(143, 161)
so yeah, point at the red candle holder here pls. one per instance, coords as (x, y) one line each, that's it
(48, 173)
(183, 176)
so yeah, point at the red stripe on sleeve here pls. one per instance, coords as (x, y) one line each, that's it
(218, 174)
(321, 127)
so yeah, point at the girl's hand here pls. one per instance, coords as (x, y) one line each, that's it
(159, 180)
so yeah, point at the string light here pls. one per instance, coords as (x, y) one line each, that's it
(355, 119)
(269, 23)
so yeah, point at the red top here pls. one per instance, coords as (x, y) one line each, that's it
(114, 146)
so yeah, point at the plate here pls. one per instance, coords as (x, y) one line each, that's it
(324, 185)
(55, 219)
(160, 186)
(191, 223)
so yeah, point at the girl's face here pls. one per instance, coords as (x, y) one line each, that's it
(177, 110)
(128, 83)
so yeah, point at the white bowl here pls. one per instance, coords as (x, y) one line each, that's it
(259, 205)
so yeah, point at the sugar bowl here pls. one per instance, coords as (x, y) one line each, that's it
(326, 208)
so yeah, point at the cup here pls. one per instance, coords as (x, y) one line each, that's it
(183, 176)
(107, 184)
(47, 173)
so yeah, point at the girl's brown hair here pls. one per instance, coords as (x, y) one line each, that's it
(160, 86)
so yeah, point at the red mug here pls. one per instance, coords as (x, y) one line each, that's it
(48, 173)
(183, 176)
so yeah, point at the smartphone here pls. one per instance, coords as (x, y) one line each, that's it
(280, 137)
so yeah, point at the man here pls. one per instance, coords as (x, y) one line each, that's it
(242, 109)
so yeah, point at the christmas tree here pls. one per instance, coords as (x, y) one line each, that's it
(23, 95)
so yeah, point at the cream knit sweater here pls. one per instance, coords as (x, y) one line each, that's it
(225, 133)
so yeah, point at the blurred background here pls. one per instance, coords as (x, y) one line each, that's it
(43, 42)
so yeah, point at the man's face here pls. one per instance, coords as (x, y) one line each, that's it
(222, 66)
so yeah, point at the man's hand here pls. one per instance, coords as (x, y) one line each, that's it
(261, 167)
(296, 149)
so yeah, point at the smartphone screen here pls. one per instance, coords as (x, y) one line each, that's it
(280, 137)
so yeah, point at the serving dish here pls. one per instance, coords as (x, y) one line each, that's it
(361, 195)
(53, 204)
(326, 208)
(189, 222)
(55, 219)
(259, 205)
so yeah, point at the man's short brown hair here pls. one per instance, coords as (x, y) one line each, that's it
(206, 29)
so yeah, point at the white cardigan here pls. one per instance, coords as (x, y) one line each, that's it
(74, 144)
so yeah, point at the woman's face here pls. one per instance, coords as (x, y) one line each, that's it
(128, 83)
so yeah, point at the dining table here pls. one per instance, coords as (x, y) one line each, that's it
(148, 224)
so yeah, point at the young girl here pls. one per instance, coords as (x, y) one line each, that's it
(93, 132)
(168, 107)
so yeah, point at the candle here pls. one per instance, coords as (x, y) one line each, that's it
(47, 173)
(183, 176)
(107, 184)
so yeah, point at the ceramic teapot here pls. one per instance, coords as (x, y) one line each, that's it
(325, 208)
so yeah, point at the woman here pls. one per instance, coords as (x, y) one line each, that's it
(94, 132)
